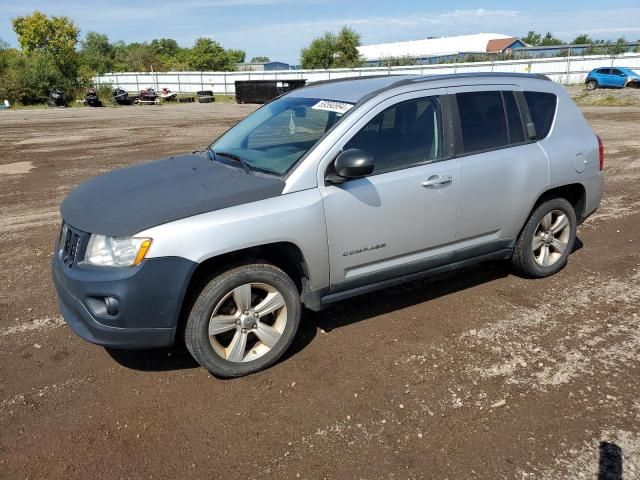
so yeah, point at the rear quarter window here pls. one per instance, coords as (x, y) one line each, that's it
(542, 107)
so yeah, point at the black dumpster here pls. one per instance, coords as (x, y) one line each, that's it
(262, 91)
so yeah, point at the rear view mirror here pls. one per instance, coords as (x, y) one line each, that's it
(531, 131)
(300, 112)
(352, 163)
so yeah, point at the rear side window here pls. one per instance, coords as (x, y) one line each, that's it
(514, 119)
(542, 107)
(482, 121)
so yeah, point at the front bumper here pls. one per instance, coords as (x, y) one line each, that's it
(149, 297)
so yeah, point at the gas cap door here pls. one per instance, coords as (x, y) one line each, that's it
(580, 163)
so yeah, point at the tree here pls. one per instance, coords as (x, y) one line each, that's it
(619, 47)
(549, 40)
(333, 51)
(532, 38)
(319, 53)
(3, 45)
(136, 57)
(582, 39)
(97, 53)
(57, 36)
(208, 54)
(347, 54)
(48, 58)
(236, 56)
(260, 60)
(167, 47)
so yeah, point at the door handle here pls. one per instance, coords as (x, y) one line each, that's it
(436, 180)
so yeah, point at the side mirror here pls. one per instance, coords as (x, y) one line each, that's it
(353, 163)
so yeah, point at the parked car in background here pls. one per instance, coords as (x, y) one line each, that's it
(618, 77)
(330, 191)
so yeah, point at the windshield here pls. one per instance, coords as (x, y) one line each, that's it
(275, 137)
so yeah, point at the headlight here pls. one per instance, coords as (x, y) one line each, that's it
(116, 251)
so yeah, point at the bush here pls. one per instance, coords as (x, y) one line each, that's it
(105, 92)
(28, 79)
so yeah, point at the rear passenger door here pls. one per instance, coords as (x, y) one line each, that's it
(501, 168)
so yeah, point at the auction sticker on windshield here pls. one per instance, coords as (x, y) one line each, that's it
(333, 106)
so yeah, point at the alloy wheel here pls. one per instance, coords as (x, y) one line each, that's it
(551, 238)
(247, 322)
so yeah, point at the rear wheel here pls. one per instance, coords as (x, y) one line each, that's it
(592, 85)
(546, 240)
(243, 320)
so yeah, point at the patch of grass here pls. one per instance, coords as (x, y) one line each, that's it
(604, 100)
(37, 106)
(624, 97)
(225, 98)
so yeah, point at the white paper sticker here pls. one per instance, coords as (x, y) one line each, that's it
(333, 106)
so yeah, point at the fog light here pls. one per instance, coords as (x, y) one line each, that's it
(104, 306)
(113, 306)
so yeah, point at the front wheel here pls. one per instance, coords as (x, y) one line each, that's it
(546, 240)
(592, 85)
(244, 320)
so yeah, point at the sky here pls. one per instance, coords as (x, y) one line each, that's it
(278, 29)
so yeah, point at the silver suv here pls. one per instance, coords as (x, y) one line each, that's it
(330, 191)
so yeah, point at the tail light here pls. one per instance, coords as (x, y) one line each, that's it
(601, 152)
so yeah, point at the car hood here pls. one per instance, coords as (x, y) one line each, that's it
(126, 201)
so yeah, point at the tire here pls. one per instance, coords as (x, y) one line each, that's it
(592, 85)
(543, 226)
(244, 343)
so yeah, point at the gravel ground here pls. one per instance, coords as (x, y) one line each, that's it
(478, 374)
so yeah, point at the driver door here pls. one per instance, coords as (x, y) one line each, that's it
(399, 219)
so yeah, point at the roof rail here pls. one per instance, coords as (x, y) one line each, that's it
(432, 78)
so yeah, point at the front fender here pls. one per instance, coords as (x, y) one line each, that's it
(296, 218)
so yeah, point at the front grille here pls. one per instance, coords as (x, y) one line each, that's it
(73, 243)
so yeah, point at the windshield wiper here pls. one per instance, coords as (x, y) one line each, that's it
(235, 157)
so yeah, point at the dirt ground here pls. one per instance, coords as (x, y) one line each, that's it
(478, 374)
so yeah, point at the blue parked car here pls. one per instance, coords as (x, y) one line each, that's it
(618, 77)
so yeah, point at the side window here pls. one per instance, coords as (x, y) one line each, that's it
(514, 119)
(482, 120)
(542, 107)
(404, 135)
(615, 71)
(605, 71)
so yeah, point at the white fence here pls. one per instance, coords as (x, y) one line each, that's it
(564, 70)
